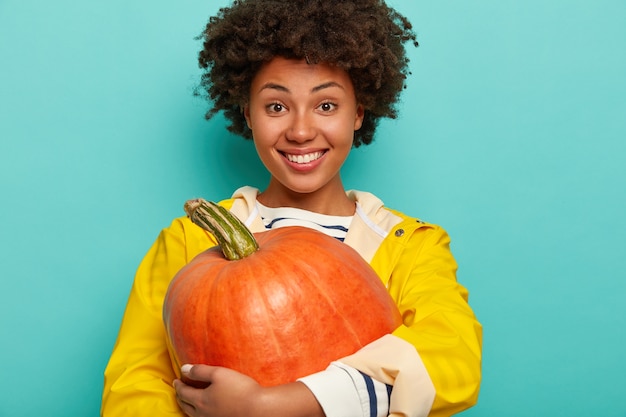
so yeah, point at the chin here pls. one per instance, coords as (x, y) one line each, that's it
(302, 188)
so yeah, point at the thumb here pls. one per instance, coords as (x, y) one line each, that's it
(198, 376)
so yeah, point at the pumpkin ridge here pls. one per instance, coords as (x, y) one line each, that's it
(215, 284)
(277, 346)
(267, 318)
(331, 301)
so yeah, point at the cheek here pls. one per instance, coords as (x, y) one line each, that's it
(264, 134)
(341, 132)
(265, 144)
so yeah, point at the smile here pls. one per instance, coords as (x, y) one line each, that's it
(304, 159)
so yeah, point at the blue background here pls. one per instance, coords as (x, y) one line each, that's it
(511, 135)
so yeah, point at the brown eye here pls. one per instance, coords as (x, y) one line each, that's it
(327, 107)
(276, 107)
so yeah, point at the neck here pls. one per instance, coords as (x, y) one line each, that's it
(330, 200)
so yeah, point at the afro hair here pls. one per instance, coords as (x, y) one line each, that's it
(365, 38)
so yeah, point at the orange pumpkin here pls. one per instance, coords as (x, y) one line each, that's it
(276, 308)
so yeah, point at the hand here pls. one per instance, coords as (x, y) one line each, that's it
(227, 392)
(233, 394)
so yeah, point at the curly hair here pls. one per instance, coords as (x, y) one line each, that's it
(363, 37)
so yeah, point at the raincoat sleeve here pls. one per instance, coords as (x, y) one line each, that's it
(138, 378)
(433, 360)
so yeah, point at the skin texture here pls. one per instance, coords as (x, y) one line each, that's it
(298, 109)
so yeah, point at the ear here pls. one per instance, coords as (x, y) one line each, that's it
(246, 113)
(358, 119)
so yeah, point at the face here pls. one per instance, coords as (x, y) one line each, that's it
(303, 119)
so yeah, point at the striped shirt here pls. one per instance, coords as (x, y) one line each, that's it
(334, 226)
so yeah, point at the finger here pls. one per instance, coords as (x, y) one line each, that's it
(182, 398)
(203, 373)
(196, 376)
(188, 409)
(188, 393)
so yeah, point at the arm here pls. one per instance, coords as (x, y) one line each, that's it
(230, 393)
(438, 324)
(139, 374)
(338, 391)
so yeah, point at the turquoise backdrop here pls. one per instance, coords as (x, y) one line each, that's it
(512, 135)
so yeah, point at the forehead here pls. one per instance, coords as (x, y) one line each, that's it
(294, 73)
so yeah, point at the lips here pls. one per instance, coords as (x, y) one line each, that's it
(304, 158)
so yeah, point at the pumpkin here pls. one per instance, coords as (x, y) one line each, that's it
(276, 305)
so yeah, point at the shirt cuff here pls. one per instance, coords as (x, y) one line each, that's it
(343, 391)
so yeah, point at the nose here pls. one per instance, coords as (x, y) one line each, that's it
(301, 128)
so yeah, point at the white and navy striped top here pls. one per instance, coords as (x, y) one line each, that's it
(334, 226)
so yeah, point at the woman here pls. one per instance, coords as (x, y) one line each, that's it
(307, 81)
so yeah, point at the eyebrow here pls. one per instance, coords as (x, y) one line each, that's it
(326, 85)
(274, 86)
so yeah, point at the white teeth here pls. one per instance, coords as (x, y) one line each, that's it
(304, 159)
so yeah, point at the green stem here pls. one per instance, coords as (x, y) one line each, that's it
(234, 238)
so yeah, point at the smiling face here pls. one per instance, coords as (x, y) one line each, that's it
(303, 119)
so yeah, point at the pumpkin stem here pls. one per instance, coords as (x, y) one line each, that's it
(234, 238)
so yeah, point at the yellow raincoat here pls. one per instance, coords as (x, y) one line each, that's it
(433, 359)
